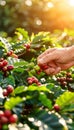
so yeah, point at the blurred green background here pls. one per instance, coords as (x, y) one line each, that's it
(36, 15)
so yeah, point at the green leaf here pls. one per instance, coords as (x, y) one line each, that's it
(12, 60)
(1, 76)
(23, 32)
(40, 36)
(20, 63)
(19, 90)
(21, 70)
(5, 44)
(66, 99)
(41, 88)
(12, 102)
(69, 108)
(45, 101)
(10, 80)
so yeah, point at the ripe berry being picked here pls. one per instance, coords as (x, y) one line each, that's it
(43, 67)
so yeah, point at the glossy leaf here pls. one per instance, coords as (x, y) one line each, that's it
(19, 90)
(12, 102)
(45, 101)
(65, 100)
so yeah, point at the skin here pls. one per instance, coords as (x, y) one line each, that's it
(57, 59)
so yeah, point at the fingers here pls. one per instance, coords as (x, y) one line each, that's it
(52, 71)
(48, 58)
(49, 71)
(52, 64)
(57, 70)
(46, 52)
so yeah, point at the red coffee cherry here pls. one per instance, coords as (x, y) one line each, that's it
(27, 46)
(39, 84)
(1, 65)
(10, 67)
(5, 93)
(56, 107)
(43, 67)
(4, 120)
(9, 89)
(1, 59)
(4, 69)
(34, 80)
(64, 83)
(69, 79)
(1, 113)
(10, 53)
(30, 81)
(5, 62)
(7, 113)
(13, 118)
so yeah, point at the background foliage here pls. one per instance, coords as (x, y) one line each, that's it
(35, 16)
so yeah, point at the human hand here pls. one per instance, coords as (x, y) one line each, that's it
(57, 59)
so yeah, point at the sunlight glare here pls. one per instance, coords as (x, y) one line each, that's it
(28, 2)
(50, 5)
(3, 2)
(71, 2)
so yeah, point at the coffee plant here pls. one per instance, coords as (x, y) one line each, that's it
(29, 98)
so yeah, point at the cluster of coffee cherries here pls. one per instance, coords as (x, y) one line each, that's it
(9, 89)
(4, 67)
(12, 54)
(65, 81)
(6, 118)
(32, 80)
